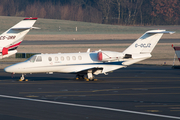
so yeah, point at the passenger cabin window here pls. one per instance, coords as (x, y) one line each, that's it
(79, 57)
(74, 58)
(32, 59)
(68, 58)
(56, 58)
(39, 59)
(62, 58)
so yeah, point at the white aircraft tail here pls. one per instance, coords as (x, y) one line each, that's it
(146, 43)
(177, 51)
(12, 38)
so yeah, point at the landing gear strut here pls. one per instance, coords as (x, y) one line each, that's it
(23, 78)
(90, 76)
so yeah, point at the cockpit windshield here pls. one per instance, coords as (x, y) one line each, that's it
(32, 59)
(35, 58)
(39, 59)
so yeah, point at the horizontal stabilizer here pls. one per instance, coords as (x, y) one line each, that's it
(25, 28)
(35, 28)
(164, 32)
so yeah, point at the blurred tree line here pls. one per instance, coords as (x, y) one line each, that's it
(124, 12)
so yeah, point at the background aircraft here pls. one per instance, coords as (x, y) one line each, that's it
(90, 63)
(12, 38)
(177, 51)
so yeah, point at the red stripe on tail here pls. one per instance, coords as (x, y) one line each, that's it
(15, 45)
(30, 18)
(179, 59)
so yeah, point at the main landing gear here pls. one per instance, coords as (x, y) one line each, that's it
(23, 78)
(89, 77)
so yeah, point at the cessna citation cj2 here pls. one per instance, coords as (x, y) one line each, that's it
(90, 63)
(12, 38)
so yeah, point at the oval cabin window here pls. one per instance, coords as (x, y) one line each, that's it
(74, 58)
(56, 59)
(68, 58)
(79, 57)
(62, 58)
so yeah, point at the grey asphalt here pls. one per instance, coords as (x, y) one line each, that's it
(54, 42)
(141, 88)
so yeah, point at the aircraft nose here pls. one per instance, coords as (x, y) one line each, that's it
(16, 68)
(8, 69)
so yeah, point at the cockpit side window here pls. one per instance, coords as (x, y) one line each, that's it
(39, 59)
(32, 59)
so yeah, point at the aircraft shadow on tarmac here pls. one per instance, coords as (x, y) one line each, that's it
(35, 77)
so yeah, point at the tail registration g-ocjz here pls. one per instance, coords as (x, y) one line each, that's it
(12, 38)
(90, 63)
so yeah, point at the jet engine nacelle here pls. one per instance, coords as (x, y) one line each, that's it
(109, 56)
(4, 51)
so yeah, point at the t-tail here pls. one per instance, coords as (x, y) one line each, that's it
(12, 38)
(141, 49)
(177, 51)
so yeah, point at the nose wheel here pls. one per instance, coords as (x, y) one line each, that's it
(22, 78)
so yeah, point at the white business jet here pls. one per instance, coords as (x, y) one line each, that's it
(90, 63)
(12, 38)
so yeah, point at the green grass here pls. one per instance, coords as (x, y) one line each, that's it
(51, 26)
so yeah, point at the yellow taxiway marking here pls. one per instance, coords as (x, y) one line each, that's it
(175, 110)
(84, 82)
(152, 110)
(113, 94)
(32, 96)
(99, 90)
(157, 105)
(137, 88)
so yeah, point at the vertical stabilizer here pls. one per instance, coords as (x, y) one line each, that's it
(12, 38)
(146, 43)
(177, 51)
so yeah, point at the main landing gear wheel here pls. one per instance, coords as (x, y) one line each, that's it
(78, 77)
(23, 78)
(88, 78)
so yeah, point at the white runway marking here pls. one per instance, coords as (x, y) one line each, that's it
(89, 106)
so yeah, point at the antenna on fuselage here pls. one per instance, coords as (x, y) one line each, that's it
(88, 50)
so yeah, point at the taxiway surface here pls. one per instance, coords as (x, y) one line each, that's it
(60, 42)
(136, 92)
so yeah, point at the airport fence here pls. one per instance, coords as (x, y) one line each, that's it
(25, 55)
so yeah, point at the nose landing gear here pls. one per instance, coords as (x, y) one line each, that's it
(23, 78)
